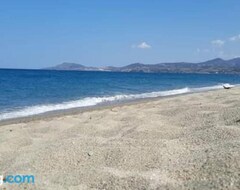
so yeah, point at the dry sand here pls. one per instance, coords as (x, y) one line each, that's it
(184, 142)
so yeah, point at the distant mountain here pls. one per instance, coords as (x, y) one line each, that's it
(212, 66)
(72, 66)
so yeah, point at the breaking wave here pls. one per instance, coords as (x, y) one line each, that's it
(92, 101)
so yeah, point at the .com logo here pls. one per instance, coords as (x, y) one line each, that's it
(17, 179)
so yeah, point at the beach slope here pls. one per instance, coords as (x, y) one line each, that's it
(183, 142)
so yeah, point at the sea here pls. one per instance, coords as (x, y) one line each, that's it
(26, 93)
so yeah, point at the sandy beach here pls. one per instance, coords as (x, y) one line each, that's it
(184, 142)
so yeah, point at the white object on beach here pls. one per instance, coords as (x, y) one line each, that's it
(227, 86)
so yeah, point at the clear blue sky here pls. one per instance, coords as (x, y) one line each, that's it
(36, 34)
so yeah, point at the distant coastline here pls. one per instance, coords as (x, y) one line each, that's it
(217, 65)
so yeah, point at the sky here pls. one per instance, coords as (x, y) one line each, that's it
(38, 34)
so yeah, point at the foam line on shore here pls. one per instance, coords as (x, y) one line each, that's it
(92, 101)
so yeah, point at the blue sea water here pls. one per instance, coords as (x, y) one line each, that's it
(29, 92)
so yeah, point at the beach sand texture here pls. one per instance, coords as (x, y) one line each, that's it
(183, 142)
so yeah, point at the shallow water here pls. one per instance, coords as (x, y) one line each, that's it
(29, 92)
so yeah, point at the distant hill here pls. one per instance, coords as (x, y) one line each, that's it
(72, 66)
(211, 66)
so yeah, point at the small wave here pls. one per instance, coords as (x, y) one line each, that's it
(86, 102)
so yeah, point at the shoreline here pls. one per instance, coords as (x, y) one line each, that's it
(108, 105)
(189, 141)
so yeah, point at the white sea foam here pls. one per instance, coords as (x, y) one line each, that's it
(85, 102)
